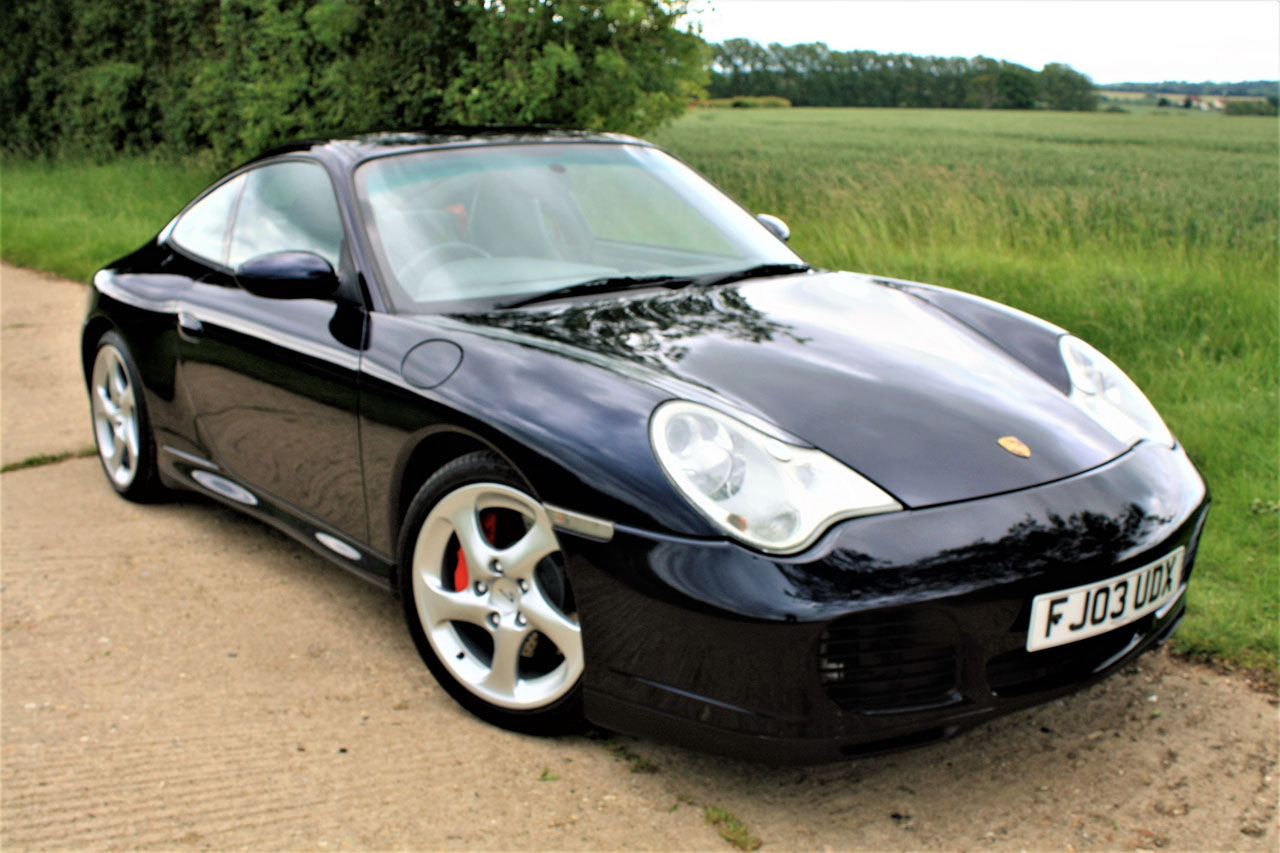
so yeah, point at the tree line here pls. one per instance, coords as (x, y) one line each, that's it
(814, 75)
(237, 76)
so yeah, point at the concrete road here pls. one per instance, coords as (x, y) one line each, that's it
(180, 677)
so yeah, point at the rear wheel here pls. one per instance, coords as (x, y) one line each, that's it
(121, 429)
(487, 599)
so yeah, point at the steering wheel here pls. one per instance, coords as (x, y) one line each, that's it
(441, 253)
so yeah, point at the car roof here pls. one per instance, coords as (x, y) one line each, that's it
(354, 149)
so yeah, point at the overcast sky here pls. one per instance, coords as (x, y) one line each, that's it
(1112, 41)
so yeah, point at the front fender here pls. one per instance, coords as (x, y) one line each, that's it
(578, 431)
(1027, 338)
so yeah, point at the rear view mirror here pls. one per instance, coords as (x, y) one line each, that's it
(776, 226)
(288, 275)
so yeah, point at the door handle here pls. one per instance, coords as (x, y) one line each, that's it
(189, 325)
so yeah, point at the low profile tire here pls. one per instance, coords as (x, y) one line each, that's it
(121, 428)
(487, 600)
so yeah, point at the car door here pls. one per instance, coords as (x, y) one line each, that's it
(273, 383)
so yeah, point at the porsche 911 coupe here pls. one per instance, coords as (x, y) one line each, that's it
(628, 460)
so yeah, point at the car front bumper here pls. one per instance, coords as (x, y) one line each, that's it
(894, 630)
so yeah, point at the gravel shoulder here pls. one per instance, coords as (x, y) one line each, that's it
(180, 677)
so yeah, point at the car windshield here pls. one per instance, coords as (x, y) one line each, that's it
(499, 223)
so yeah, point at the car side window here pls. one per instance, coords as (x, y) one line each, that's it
(287, 207)
(202, 230)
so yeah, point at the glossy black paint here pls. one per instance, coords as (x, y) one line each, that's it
(275, 397)
(288, 275)
(1028, 339)
(811, 353)
(330, 412)
(510, 396)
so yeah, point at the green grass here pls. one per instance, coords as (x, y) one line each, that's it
(636, 763)
(72, 217)
(730, 828)
(1152, 235)
(42, 459)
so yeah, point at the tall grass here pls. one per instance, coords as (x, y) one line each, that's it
(1152, 236)
(72, 217)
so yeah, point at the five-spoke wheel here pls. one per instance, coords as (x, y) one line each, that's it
(115, 416)
(487, 597)
(120, 427)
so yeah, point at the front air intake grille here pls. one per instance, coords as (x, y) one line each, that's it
(890, 661)
(1019, 672)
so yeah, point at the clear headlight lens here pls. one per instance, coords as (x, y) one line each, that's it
(775, 496)
(1108, 396)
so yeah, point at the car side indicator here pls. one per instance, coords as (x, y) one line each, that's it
(1014, 445)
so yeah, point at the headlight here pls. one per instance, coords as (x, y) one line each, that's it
(770, 494)
(1109, 397)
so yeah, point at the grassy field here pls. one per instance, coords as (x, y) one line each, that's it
(73, 217)
(1151, 235)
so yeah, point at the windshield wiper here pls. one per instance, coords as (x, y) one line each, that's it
(600, 285)
(626, 282)
(759, 271)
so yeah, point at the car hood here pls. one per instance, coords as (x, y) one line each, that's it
(892, 386)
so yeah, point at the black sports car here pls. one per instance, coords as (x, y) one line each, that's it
(627, 459)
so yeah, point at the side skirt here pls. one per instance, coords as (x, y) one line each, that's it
(203, 476)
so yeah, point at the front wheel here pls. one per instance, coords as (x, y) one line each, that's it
(487, 599)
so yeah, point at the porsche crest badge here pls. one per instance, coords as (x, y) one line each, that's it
(1014, 445)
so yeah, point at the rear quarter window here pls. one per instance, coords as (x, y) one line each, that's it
(202, 229)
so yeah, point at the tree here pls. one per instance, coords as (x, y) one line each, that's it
(1064, 88)
(815, 75)
(241, 75)
(1017, 87)
(621, 65)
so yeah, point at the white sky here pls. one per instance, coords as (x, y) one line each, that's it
(1112, 41)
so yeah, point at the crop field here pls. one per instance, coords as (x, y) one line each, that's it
(1151, 235)
(1121, 95)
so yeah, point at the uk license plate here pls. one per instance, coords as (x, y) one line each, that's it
(1085, 611)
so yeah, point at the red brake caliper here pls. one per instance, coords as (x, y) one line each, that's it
(489, 524)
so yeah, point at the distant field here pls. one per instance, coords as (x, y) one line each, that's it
(1147, 102)
(1176, 97)
(1119, 95)
(1152, 235)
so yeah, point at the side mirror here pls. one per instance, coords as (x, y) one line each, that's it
(776, 226)
(288, 275)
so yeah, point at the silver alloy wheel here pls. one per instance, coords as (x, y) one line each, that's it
(503, 598)
(115, 416)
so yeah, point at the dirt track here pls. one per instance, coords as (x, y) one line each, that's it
(180, 677)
